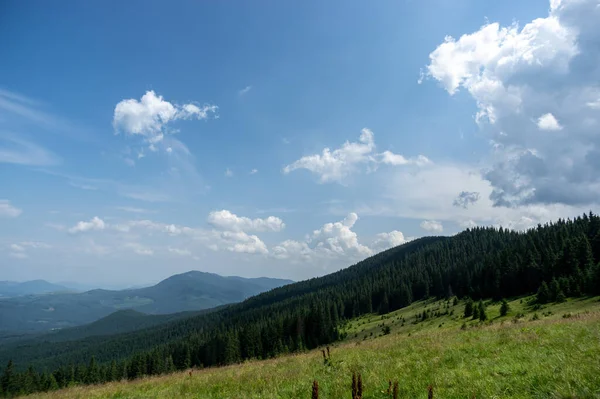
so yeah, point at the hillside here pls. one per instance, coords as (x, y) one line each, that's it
(515, 356)
(190, 291)
(34, 287)
(557, 261)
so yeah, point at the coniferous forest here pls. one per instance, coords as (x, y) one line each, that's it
(554, 261)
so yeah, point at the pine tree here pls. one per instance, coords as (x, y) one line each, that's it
(543, 294)
(8, 380)
(92, 374)
(561, 297)
(482, 314)
(504, 308)
(475, 312)
(469, 307)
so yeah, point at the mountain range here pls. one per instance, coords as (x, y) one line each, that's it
(13, 288)
(39, 309)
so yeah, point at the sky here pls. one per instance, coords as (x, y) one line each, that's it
(143, 139)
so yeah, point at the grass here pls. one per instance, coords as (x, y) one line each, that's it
(556, 355)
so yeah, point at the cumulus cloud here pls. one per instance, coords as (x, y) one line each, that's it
(150, 116)
(332, 240)
(432, 226)
(227, 220)
(7, 210)
(389, 240)
(548, 122)
(239, 241)
(335, 242)
(254, 171)
(546, 72)
(466, 198)
(337, 165)
(94, 224)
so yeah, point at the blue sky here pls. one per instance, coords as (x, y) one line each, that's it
(140, 140)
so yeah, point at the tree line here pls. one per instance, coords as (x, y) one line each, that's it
(556, 260)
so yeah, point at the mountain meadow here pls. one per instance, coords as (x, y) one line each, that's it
(485, 313)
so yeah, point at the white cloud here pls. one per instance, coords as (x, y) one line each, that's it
(432, 226)
(228, 173)
(93, 225)
(389, 158)
(150, 116)
(8, 210)
(238, 241)
(339, 164)
(254, 171)
(545, 72)
(548, 122)
(389, 240)
(332, 240)
(226, 220)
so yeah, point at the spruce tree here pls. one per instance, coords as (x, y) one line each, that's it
(504, 308)
(475, 312)
(482, 314)
(543, 294)
(469, 307)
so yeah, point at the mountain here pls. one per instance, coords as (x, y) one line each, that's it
(555, 261)
(190, 291)
(12, 288)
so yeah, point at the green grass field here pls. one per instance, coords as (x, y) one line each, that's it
(550, 352)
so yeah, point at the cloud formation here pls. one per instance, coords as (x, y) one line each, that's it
(528, 82)
(150, 116)
(335, 241)
(226, 220)
(94, 224)
(337, 165)
(432, 226)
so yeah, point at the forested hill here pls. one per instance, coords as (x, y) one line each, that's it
(557, 259)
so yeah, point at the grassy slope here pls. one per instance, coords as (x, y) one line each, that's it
(552, 357)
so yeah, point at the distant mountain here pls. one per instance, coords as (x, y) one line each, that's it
(12, 288)
(191, 291)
